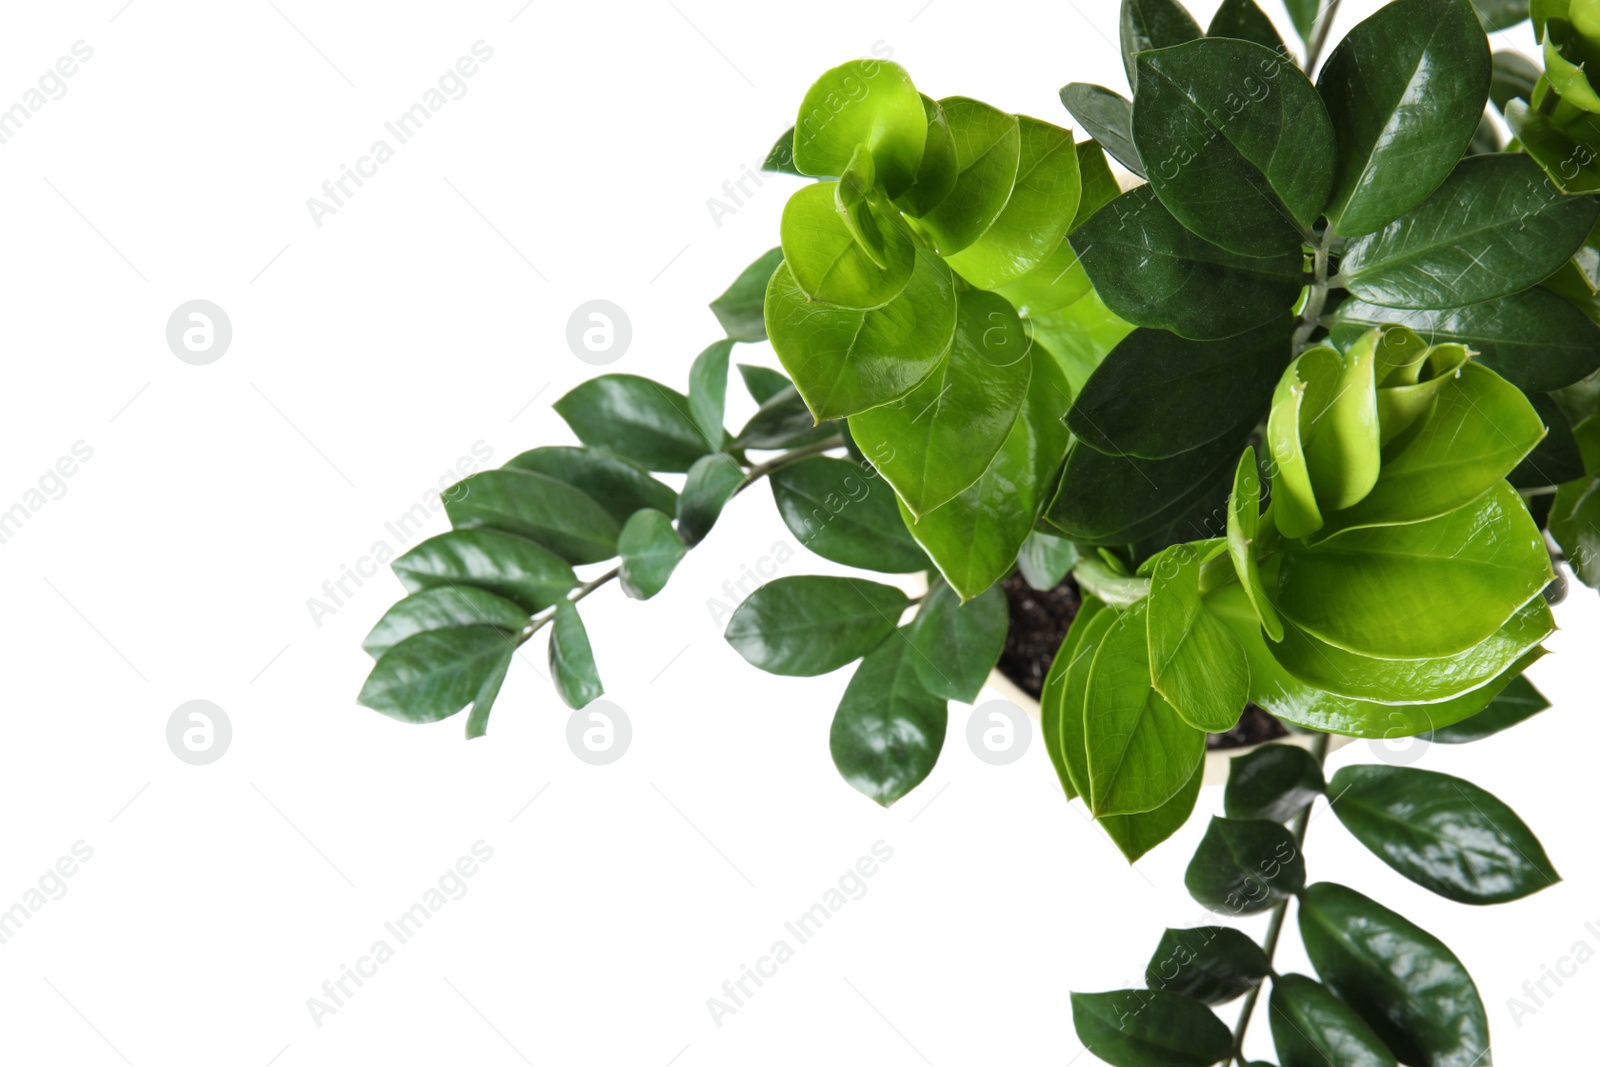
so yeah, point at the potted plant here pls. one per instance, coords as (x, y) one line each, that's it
(1297, 424)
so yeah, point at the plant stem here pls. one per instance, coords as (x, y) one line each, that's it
(1317, 299)
(1319, 752)
(1319, 35)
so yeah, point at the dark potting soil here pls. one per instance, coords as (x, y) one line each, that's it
(1039, 623)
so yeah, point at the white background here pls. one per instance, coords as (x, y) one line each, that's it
(369, 355)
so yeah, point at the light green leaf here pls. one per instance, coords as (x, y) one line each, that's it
(1071, 667)
(863, 102)
(937, 173)
(1045, 559)
(1195, 663)
(827, 262)
(651, 550)
(1244, 527)
(988, 150)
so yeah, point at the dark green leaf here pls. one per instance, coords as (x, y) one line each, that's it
(1272, 782)
(514, 567)
(434, 674)
(1256, 183)
(1557, 459)
(1403, 981)
(440, 609)
(1486, 138)
(1244, 20)
(1107, 117)
(1045, 559)
(1405, 89)
(1211, 964)
(487, 694)
(708, 390)
(805, 625)
(740, 308)
(1303, 13)
(711, 484)
(1443, 833)
(762, 383)
(784, 421)
(988, 150)
(1244, 866)
(1514, 77)
(651, 550)
(572, 666)
(781, 159)
(1149, 1028)
(1148, 24)
(1495, 227)
(957, 645)
(636, 418)
(888, 731)
(1500, 15)
(1574, 519)
(1517, 702)
(616, 484)
(565, 520)
(1313, 1028)
(1244, 527)
(844, 512)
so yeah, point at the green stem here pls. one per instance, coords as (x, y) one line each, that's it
(1320, 28)
(1317, 299)
(1319, 752)
(1116, 590)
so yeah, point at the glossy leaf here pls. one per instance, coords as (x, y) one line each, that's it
(1342, 440)
(1299, 398)
(1516, 703)
(844, 361)
(1405, 90)
(1152, 271)
(888, 730)
(651, 550)
(1313, 1028)
(1108, 118)
(1135, 835)
(635, 418)
(513, 567)
(1272, 782)
(784, 421)
(1557, 458)
(844, 512)
(1243, 866)
(1211, 964)
(938, 170)
(1403, 981)
(620, 486)
(1495, 227)
(863, 102)
(1147, 24)
(1079, 335)
(826, 261)
(1045, 559)
(483, 700)
(1244, 20)
(1255, 183)
(1156, 396)
(1072, 666)
(941, 436)
(1149, 1028)
(805, 625)
(565, 520)
(957, 644)
(442, 608)
(708, 390)
(762, 383)
(1140, 753)
(1195, 662)
(739, 309)
(572, 667)
(1425, 589)
(988, 151)
(434, 674)
(1563, 151)
(711, 484)
(1114, 500)
(1244, 526)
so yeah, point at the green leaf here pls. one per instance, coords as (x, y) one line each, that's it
(940, 437)
(1303, 13)
(937, 173)
(1079, 335)
(762, 383)
(1495, 227)
(988, 151)
(1116, 500)
(1135, 835)
(1513, 78)
(845, 361)
(1486, 138)
(651, 550)
(1150, 1028)
(572, 666)
(1152, 271)
(888, 730)
(442, 608)
(1147, 24)
(1244, 527)
(804, 625)
(1244, 866)
(1575, 513)
(1405, 90)
(1156, 396)
(784, 421)
(1342, 442)
(780, 159)
(974, 539)
(1300, 397)
(636, 418)
(711, 484)
(1312, 1028)
(1517, 702)
(565, 520)
(708, 390)
(620, 486)
(826, 261)
(434, 674)
(844, 512)
(740, 308)
(1272, 782)
(1041, 207)
(1558, 458)
(1563, 151)
(1403, 981)
(1211, 964)
(1425, 589)
(857, 183)
(1045, 559)
(1500, 15)
(1256, 183)
(1195, 662)
(1245, 21)
(1141, 753)
(1107, 117)
(1443, 833)
(957, 644)
(513, 567)
(863, 102)
(483, 700)
(1534, 339)
(1065, 687)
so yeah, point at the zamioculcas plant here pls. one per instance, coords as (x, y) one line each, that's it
(1294, 422)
